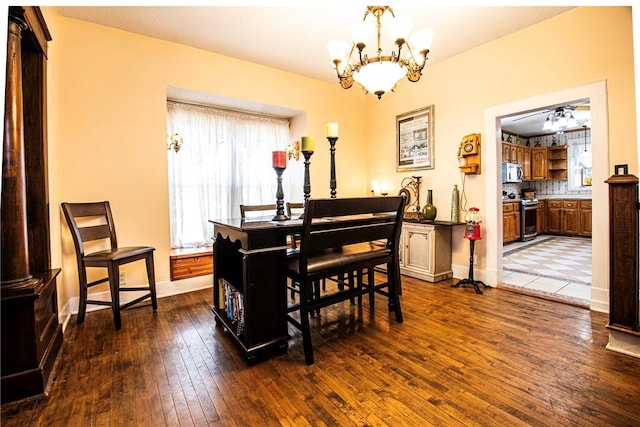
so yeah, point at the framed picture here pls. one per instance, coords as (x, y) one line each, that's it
(414, 140)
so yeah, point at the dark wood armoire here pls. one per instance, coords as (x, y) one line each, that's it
(31, 332)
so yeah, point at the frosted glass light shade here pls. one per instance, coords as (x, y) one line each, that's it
(338, 49)
(380, 77)
(422, 39)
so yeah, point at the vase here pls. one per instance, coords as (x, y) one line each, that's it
(429, 211)
(455, 204)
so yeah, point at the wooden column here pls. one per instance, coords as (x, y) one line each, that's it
(623, 250)
(31, 335)
(14, 241)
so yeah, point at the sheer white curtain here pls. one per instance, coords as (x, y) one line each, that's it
(225, 160)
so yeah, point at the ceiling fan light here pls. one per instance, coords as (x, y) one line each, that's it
(572, 122)
(547, 124)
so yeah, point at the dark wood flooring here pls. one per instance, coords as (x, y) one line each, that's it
(498, 359)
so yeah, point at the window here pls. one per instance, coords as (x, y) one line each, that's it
(225, 160)
(579, 155)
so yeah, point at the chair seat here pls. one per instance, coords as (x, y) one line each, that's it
(335, 260)
(117, 254)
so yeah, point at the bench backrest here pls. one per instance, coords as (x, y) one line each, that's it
(333, 223)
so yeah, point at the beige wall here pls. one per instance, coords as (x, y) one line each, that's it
(107, 114)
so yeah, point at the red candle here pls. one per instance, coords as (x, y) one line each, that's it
(279, 159)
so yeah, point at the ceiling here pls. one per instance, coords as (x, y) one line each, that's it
(293, 37)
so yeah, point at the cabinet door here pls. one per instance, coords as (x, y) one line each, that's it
(524, 159)
(513, 154)
(418, 243)
(541, 218)
(554, 215)
(506, 153)
(570, 218)
(539, 163)
(585, 218)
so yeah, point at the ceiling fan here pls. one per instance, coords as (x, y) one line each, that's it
(558, 118)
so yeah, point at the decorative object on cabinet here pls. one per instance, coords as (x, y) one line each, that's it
(469, 154)
(411, 189)
(429, 211)
(455, 204)
(375, 72)
(415, 140)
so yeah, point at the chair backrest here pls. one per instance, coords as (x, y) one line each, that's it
(90, 222)
(297, 206)
(333, 223)
(271, 209)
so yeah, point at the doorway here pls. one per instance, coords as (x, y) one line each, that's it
(596, 92)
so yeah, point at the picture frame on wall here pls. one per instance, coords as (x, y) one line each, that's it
(415, 140)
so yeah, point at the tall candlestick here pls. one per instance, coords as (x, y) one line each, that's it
(279, 159)
(307, 182)
(280, 215)
(332, 150)
(332, 130)
(308, 143)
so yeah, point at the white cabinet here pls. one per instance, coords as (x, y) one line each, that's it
(425, 251)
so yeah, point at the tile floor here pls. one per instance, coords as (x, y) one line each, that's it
(554, 266)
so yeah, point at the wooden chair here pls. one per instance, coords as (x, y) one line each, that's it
(93, 222)
(264, 209)
(340, 238)
(297, 209)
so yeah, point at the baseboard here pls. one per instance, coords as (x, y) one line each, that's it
(624, 343)
(163, 289)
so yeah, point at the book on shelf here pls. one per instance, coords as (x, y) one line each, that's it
(234, 306)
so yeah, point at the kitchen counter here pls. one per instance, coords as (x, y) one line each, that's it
(563, 196)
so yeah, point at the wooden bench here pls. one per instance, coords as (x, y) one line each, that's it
(190, 262)
(341, 238)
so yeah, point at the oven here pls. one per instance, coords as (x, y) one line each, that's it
(528, 219)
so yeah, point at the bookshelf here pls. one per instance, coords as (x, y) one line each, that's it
(249, 292)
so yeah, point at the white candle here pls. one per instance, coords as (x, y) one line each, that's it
(332, 130)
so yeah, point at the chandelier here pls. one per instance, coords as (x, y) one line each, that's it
(559, 119)
(378, 73)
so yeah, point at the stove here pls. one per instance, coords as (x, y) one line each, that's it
(528, 219)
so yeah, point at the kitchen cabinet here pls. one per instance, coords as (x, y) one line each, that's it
(539, 167)
(557, 161)
(541, 217)
(510, 222)
(585, 218)
(524, 160)
(569, 217)
(425, 251)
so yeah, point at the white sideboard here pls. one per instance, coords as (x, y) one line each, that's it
(425, 250)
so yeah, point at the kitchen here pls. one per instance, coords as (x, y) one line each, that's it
(547, 201)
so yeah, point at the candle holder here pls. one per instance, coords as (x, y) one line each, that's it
(332, 179)
(307, 181)
(280, 215)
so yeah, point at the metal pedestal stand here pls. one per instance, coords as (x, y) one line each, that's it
(470, 280)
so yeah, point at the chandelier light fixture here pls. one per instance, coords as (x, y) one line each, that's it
(376, 72)
(559, 119)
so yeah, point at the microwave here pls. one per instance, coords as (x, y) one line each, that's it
(511, 172)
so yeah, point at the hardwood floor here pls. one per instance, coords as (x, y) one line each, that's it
(458, 359)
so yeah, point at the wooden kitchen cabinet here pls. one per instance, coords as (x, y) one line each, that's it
(585, 218)
(539, 166)
(570, 217)
(554, 216)
(541, 217)
(425, 251)
(510, 222)
(524, 160)
(557, 161)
